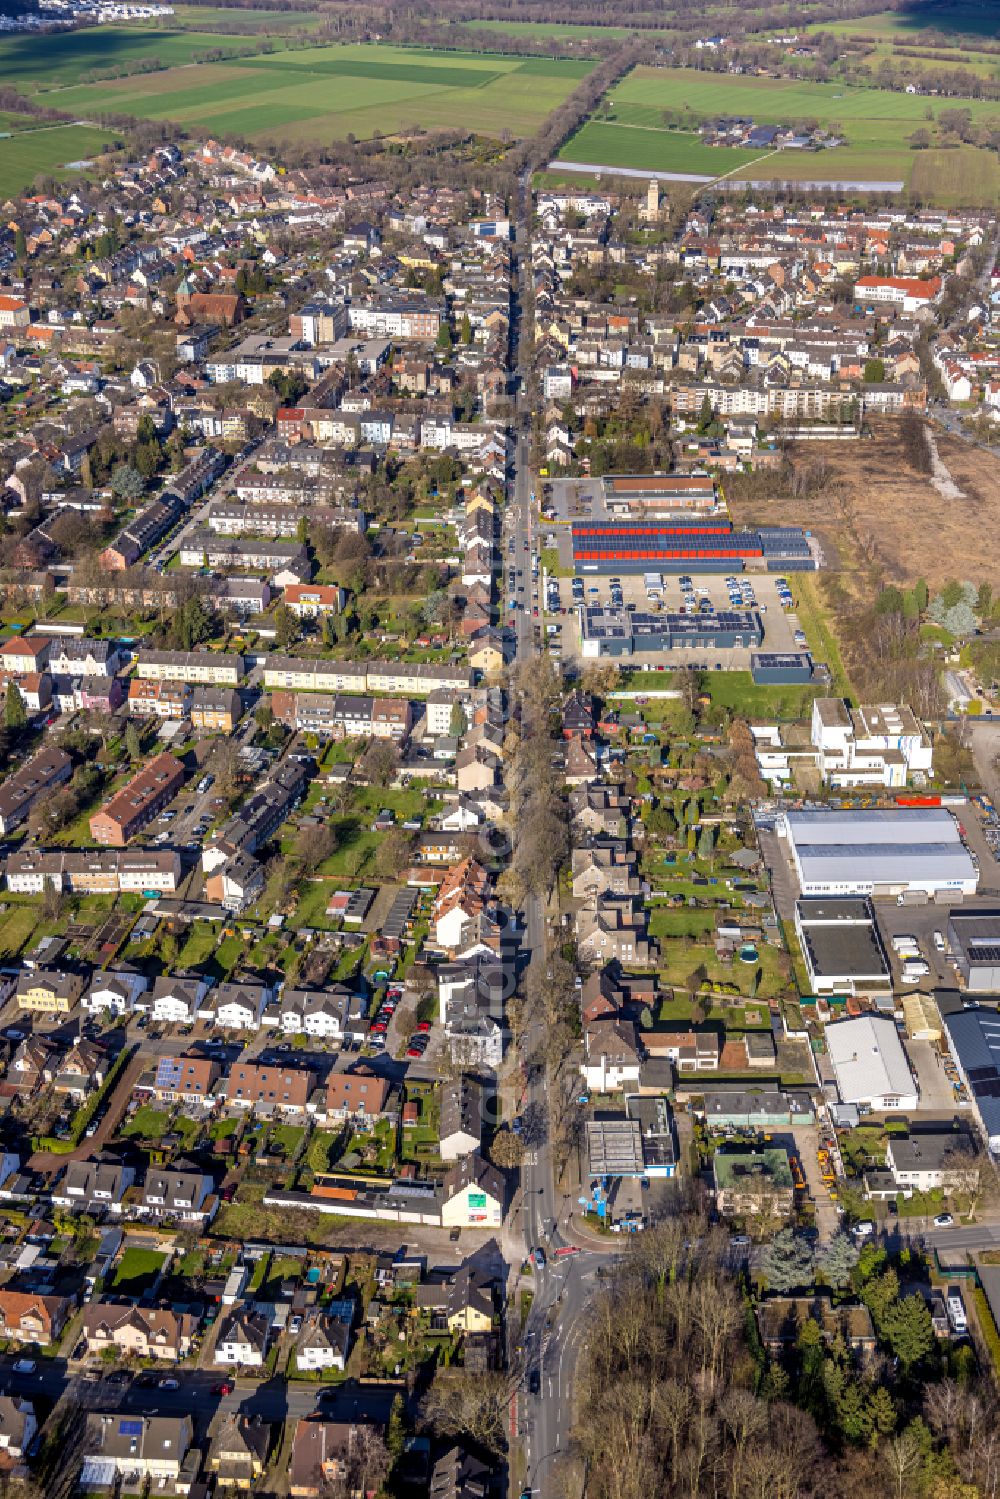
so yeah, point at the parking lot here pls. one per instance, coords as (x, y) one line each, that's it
(559, 603)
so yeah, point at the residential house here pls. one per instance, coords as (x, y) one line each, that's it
(29, 1318)
(603, 869)
(356, 1092)
(179, 1196)
(139, 1332)
(94, 1187)
(176, 1001)
(461, 1117)
(613, 1057)
(138, 802)
(135, 1449)
(269, 1088)
(472, 1194)
(611, 926)
(690, 1051)
(49, 991)
(459, 1475)
(237, 1453)
(114, 991)
(782, 1318)
(933, 1160)
(315, 1012)
(184, 1079)
(321, 1454)
(18, 1425)
(236, 1006)
(215, 708)
(80, 1072)
(242, 1339)
(325, 1343)
(47, 769)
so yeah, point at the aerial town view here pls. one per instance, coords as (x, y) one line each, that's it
(500, 749)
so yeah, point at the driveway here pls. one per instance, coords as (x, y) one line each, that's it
(807, 1139)
(784, 885)
(935, 1089)
(46, 1161)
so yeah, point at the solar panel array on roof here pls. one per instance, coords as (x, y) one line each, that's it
(130, 1428)
(400, 912)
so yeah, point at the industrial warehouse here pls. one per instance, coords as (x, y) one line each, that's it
(617, 632)
(974, 939)
(682, 544)
(879, 852)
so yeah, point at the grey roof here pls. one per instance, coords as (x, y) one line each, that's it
(902, 827)
(868, 1059)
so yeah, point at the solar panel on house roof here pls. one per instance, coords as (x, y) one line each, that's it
(130, 1428)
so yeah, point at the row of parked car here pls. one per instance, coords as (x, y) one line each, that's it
(379, 1029)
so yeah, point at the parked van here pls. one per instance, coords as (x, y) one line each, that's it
(955, 1307)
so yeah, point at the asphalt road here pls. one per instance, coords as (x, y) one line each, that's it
(555, 1332)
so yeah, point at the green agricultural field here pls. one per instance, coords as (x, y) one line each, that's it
(873, 123)
(327, 93)
(864, 116)
(951, 17)
(984, 64)
(229, 18)
(652, 150)
(46, 63)
(554, 29)
(956, 178)
(30, 153)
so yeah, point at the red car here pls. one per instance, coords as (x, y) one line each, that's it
(380, 1025)
(225, 1388)
(424, 1026)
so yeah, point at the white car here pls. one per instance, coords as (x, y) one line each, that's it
(939, 941)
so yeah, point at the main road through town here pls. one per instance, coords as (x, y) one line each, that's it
(547, 1348)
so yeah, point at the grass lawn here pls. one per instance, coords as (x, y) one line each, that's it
(16, 926)
(148, 1124)
(822, 641)
(738, 691)
(259, 1272)
(320, 1155)
(288, 1138)
(222, 1129)
(680, 961)
(329, 92)
(188, 1129)
(680, 921)
(204, 950)
(137, 1270)
(280, 1267)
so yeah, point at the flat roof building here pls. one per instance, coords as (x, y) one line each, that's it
(974, 938)
(685, 544)
(880, 852)
(870, 1064)
(616, 632)
(841, 945)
